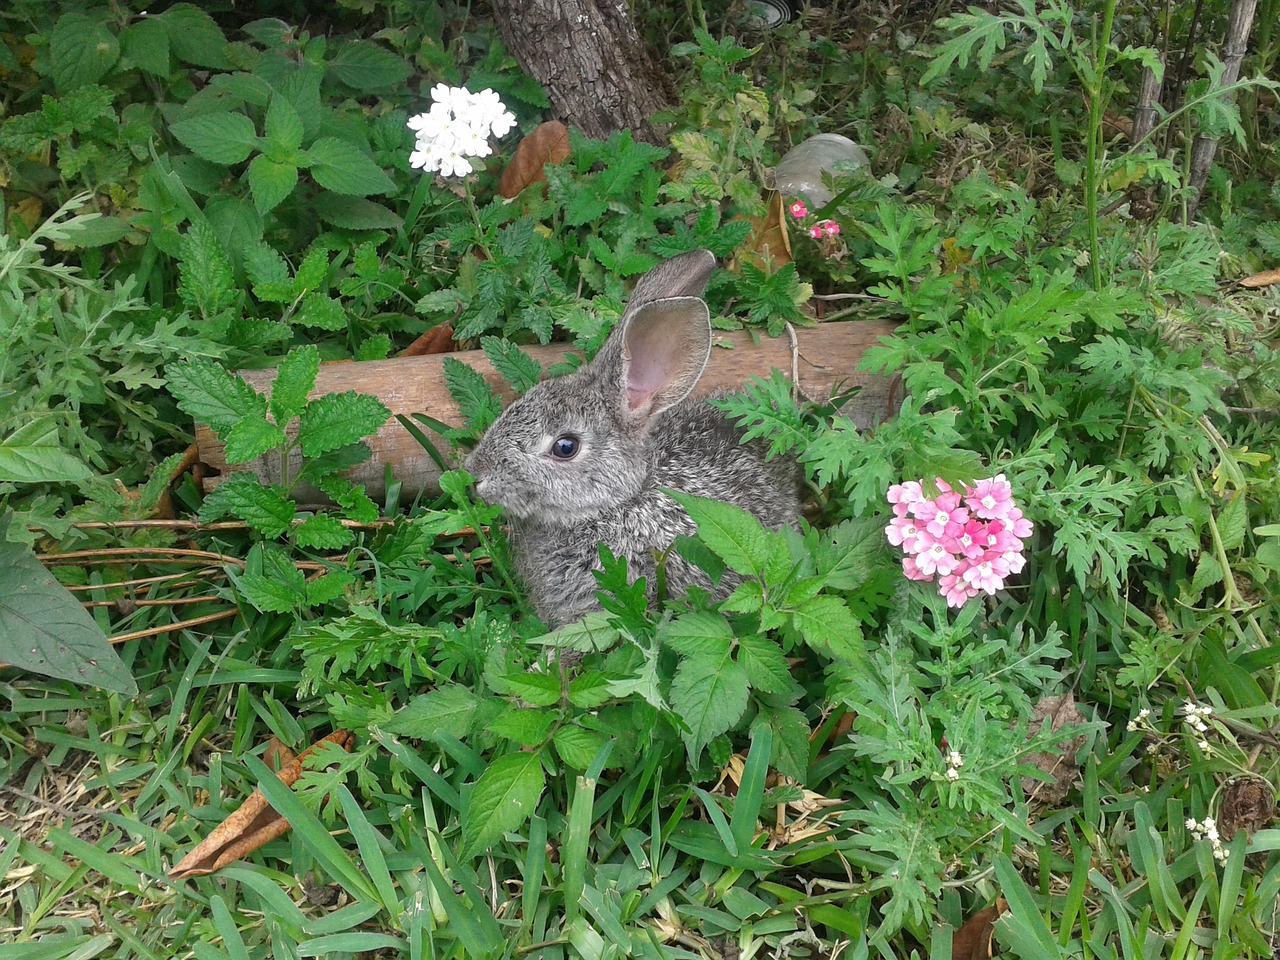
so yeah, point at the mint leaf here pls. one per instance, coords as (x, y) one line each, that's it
(449, 710)
(342, 166)
(207, 281)
(145, 44)
(282, 131)
(223, 138)
(194, 37)
(270, 182)
(295, 377)
(214, 395)
(318, 310)
(322, 532)
(577, 746)
(337, 419)
(263, 508)
(710, 695)
(368, 67)
(355, 503)
(251, 438)
(478, 403)
(701, 633)
(81, 51)
(503, 798)
(354, 213)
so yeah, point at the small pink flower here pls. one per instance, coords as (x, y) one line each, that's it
(831, 228)
(944, 517)
(983, 576)
(955, 590)
(911, 570)
(991, 499)
(816, 232)
(908, 492)
(798, 210)
(936, 559)
(902, 532)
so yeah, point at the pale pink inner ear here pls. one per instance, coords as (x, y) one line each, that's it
(665, 348)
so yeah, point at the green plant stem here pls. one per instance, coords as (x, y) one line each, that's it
(1097, 105)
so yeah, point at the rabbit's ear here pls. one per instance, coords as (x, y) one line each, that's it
(665, 347)
(682, 276)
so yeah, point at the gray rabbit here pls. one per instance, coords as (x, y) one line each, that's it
(581, 459)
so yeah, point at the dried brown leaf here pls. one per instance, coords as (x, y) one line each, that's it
(769, 243)
(1264, 279)
(253, 825)
(1060, 711)
(548, 143)
(1248, 804)
(436, 340)
(973, 940)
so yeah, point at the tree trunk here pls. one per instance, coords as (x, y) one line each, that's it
(591, 61)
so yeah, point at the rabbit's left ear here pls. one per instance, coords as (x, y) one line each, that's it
(665, 347)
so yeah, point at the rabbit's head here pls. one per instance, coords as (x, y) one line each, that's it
(576, 447)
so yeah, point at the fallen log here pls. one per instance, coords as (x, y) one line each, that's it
(825, 365)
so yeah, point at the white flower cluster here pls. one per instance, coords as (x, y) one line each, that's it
(954, 763)
(1134, 725)
(1195, 716)
(1208, 831)
(457, 128)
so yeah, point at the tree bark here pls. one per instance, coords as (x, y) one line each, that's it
(591, 61)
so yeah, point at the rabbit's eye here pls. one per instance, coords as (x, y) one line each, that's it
(565, 447)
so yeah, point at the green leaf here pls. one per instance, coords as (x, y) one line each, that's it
(145, 43)
(344, 167)
(223, 138)
(710, 695)
(517, 367)
(577, 746)
(847, 553)
(207, 281)
(766, 667)
(589, 690)
(43, 627)
(92, 230)
(504, 797)
(526, 726)
(264, 508)
(355, 503)
(81, 51)
(448, 710)
(479, 405)
(701, 633)
(295, 377)
(1233, 521)
(318, 310)
(282, 131)
(274, 594)
(368, 67)
(354, 213)
(735, 535)
(251, 438)
(32, 454)
(337, 419)
(194, 37)
(828, 626)
(539, 689)
(213, 395)
(270, 182)
(322, 531)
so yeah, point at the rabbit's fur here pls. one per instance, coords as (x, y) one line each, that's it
(636, 432)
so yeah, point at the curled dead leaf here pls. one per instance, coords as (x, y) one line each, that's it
(1060, 711)
(1248, 804)
(251, 826)
(548, 143)
(973, 940)
(436, 340)
(1264, 279)
(769, 246)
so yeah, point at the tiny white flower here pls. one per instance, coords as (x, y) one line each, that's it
(1203, 744)
(1144, 713)
(1132, 726)
(954, 759)
(953, 773)
(1191, 823)
(1189, 708)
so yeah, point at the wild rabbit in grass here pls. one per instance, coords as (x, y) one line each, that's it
(582, 459)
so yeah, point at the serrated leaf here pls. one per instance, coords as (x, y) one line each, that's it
(81, 51)
(1208, 572)
(355, 503)
(701, 633)
(368, 67)
(828, 626)
(322, 531)
(282, 130)
(327, 587)
(32, 454)
(735, 535)
(271, 594)
(251, 438)
(589, 690)
(355, 213)
(847, 552)
(504, 797)
(1233, 521)
(207, 284)
(517, 367)
(295, 377)
(343, 167)
(539, 689)
(194, 37)
(318, 310)
(213, 395)
(790, 740)
(270, 182)
(527, 726)
(591, 634)
(448, 710)
(224, 138)
(710, 695)
(44, 629)
(479, 405)
(313, 271)
(337, 419)
(766, 667)
(264, 508)
(577, 746)
(145, 43)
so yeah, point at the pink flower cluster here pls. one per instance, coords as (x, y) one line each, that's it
(823, 228)
(971, 542)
